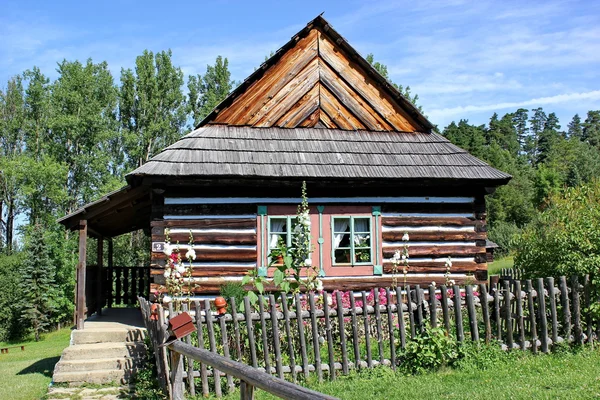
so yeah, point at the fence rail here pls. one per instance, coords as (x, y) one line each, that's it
(125, 284)
(294, 338)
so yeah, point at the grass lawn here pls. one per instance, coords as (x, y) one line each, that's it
(495, 267)
(521, 376)
(26, 374)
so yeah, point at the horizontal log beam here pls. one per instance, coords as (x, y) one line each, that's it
(214, 238)
(242, 255)
(199, 272)
(425, 221)
(229, 223)
(396, 236)
(435, 251)
(436, 267)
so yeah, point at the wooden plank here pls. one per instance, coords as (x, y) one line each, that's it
(282, 102)
(346, 95)
(301, 110)
(433, 267)
(390, 321)
(276, 336)
(396, 236)
(200, 332)
(340, 316)
(312, 120)
(275, 78)
(288, 334)
(460, 335)
(224, 238)
(485, 312)
(435, 251)
(301, 335)
(100, 276)
(353, 75)
(445, 310)
(519, 315)
(367, 330)
(566, 308)
(470, 298)
(553, 313)
(126, 298)
(587, 303)
(81, 275)
(576, 310)
(315, 335)
(118, 273)
(496, 311)
(542, 314)
(189, 364)
(230, 223)
(213, 346)
(226, 353)
(419, 311)
(211, 271)
(236, 328)
(355, 344)
(378, 324)
(176, 211)
(432, 307)
(411, 314)
(263, 330)
(327, 121)
(330, 355)
(428, 221)
(216, 255)
(507, 314)
(250, 331)
(177, 376)
(338, 112)
(400, 312)
(532, 319)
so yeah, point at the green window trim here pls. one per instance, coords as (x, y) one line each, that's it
(352, 246)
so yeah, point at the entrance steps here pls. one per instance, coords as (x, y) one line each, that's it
(109, 350)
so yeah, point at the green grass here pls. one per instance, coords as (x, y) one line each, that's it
(25, 375)
(495, 267)
(516, 376)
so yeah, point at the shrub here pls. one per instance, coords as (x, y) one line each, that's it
(565, 238)
(233, 289)
(504, 234)
(429, 351)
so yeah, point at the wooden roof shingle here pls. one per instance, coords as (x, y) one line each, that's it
(232, 151)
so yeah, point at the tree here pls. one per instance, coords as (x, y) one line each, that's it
(37, 112)
(12, 122)
(519, 119)
(548, 138)
(382, 69)
(82, 125)
(591, 128)
(37, 283)
(206, 92)
(503, 133)
(470, 137)
(151, 107)
(575, 129)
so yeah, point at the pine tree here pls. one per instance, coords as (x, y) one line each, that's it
(575, 129)
(37, 283)
(591, 128)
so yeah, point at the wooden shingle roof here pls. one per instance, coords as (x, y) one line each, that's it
(231, 151)
(318, 80)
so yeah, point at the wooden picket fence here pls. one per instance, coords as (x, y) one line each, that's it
(294, 338)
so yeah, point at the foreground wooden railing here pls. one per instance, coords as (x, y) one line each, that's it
(249, 377)
(326, 334)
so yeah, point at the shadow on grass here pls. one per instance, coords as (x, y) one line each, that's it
(44, 367)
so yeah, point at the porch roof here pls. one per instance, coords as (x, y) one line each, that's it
(121, 211)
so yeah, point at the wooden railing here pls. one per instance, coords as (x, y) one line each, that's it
(327, 334)
(249, 377)
(125, 284)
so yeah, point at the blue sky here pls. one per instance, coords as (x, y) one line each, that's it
(464, 59)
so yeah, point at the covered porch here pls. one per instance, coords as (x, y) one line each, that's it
(103, 284)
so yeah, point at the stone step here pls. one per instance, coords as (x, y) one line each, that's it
(86, 336)
(103, 350)
(97, 364)
(99, 377)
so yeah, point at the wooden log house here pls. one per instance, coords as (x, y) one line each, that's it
(316, 111)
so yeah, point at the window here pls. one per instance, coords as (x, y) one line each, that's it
(280, 232)
(351, 240)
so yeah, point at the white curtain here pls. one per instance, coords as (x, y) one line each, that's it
(276, 226)
(340, 226)
(361, 225)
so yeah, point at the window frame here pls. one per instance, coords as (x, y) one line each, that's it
(352, 248)
(288, 241)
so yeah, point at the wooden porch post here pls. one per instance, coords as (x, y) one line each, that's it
(80, 296)
(109, 279)
(100, 276)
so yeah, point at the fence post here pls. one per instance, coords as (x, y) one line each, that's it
(246, 391)
(177, 376)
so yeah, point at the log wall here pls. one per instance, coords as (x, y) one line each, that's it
(230, 238)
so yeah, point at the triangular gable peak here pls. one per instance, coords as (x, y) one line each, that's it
(318, 80)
